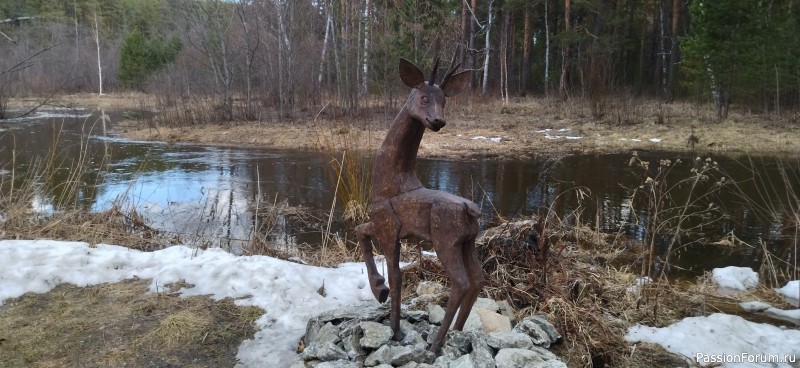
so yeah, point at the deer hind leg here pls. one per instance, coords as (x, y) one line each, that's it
(391, 250)
(448, 235)
(476, 282)
(365, 232)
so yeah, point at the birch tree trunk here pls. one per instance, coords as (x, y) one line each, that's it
(504, 56)
(662, 49)
(328, 26)
(487, 50)
(563, 83)
(96, 33)
(365, 60)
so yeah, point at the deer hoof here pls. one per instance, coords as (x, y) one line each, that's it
(379, 289)
(381, 293)
(398, 336)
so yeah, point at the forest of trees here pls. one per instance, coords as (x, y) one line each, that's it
(251, 56)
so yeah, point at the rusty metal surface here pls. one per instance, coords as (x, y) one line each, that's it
(401, 207)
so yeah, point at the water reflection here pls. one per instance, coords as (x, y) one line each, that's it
(197, 192)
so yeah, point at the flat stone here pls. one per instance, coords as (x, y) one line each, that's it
(367, 311)
(481, 354)
(548, 327)
(324, 351)
(517, 358)
(465, 361)
(492, 321)
(414, 315)
(406, 354)
(381, 356)
(415, 339)
(429, 288)
(312, 327)
(421, 302)
(375, 334)
(435, 313)
(545, 354)
(486, 303)
(509, 339)
(456, 344)
(473, 322)
(337, 364)
(327, 333)
(523, 358)
(538, 336)
(442, 361)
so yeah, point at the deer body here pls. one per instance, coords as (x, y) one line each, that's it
(401, 207)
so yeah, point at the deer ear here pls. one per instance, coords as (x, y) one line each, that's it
(456, 83)
(410, 74)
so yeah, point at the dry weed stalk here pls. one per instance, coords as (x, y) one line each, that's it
(42, 202)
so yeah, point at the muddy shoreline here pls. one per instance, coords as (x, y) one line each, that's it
(490, 130)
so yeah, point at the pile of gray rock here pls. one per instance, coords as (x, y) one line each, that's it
(360, 336)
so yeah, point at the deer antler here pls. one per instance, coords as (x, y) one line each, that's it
(432, 80)
(452, 69)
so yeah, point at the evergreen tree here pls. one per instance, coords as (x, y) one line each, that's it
(140, 57)
(739, 50)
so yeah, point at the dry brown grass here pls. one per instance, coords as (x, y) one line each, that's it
(517, 124)
(111, 101)
(591, 302)
(109, 227)
(121, 324)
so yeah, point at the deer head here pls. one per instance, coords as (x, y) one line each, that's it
(426, 102)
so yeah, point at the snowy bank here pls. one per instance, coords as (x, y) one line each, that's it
(725, 339)
(735, 278)
(286, 291)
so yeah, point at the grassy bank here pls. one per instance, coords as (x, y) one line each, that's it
(522, 129)
(576, 126)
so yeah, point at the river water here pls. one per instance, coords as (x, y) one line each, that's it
(204, 192)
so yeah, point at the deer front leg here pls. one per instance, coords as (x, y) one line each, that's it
(386, 229)
(364, 234)
(392, 252)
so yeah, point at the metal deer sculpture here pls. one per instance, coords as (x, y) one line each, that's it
(401, 207)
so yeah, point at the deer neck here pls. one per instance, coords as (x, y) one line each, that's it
(394, 171)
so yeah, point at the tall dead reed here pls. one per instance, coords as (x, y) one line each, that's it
(349, 170)
(43, 200)
(776, 200)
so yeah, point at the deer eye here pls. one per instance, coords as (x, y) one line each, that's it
(425, 99)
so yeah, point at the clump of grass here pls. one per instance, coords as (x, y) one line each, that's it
(179, 328)
(350, 167)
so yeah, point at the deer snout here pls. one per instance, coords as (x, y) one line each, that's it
(436, 124)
